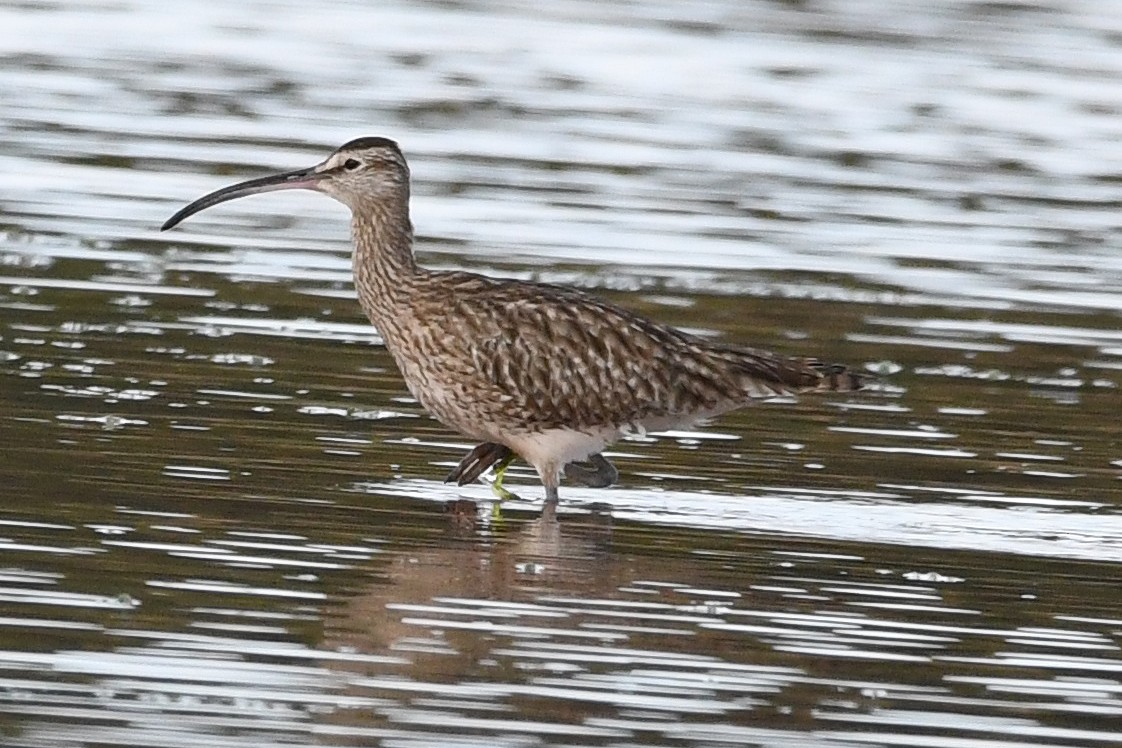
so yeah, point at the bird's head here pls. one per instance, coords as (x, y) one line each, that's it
(364, 170)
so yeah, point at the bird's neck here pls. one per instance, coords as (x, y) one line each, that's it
(384, 266)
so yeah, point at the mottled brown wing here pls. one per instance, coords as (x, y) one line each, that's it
(558, 357)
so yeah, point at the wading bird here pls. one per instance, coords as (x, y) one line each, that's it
(547, 373)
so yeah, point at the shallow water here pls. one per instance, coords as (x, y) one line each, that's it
(223, 522)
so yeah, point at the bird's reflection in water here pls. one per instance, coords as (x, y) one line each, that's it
(444, 606)
(463, 517)
(467, 517)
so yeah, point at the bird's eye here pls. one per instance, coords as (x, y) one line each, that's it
(351, 164)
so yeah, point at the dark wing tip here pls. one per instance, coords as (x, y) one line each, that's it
(476, 462)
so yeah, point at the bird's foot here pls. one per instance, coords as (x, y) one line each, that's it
(595, 472)
(600, 474)
(501, 493)
(478, 461)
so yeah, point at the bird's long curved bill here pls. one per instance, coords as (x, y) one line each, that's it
(290, 180)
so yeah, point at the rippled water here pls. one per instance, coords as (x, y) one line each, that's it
(223, 522)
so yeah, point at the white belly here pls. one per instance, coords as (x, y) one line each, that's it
(554, 448)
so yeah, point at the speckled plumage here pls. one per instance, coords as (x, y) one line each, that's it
(552, 373)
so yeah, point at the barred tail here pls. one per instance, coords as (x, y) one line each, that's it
(836, 377)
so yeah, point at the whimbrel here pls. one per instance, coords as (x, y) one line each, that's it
(548, 373)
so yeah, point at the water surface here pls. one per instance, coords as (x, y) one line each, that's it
(223, 522)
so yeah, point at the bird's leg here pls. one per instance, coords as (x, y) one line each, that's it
(551, 496)
(550, 478)
(477, 461)
(596, 472)
(500, 473)
(600, 475)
